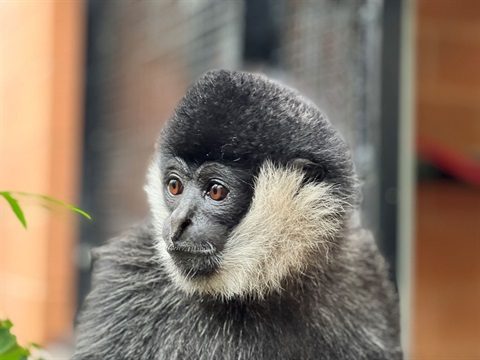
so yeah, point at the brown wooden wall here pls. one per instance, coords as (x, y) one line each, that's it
(41, 48)
(448, 73)
(446, 315)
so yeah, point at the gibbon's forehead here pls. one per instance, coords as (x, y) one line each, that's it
(226, 114)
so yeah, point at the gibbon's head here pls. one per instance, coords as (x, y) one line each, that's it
(248, 186)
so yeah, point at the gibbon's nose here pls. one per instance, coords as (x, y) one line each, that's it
(179, 221)
(178, 227)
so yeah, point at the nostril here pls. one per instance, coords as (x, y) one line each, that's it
(180, 228)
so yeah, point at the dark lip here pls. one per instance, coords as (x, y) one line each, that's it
(174, 248)
(194, 261)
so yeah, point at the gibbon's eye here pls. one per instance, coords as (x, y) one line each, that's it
(175, 186)
(217, 192)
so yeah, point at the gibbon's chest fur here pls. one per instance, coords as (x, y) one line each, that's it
(138, 313)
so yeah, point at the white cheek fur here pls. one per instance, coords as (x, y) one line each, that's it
(286, 223)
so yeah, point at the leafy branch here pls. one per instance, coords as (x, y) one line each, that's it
(11, 198)
(9, 348)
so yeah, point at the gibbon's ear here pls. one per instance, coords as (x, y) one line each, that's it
(314, 172)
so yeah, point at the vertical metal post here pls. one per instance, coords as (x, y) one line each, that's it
(389, 129)
(397, 158)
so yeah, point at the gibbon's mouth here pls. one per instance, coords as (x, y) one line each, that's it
(194, 262)
(190, 250)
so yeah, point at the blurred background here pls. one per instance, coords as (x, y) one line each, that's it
(85, 88)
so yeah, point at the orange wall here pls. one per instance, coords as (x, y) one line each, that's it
(447, 294)
(447, 282)
(448, 73)
(40, 123)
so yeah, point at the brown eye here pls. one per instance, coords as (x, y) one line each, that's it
(217, 192)
(175, 187)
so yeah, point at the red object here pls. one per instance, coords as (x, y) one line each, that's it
(450, 161)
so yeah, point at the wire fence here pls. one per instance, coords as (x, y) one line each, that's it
(143, 55)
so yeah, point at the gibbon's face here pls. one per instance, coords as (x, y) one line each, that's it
(249, 185)
(205, 202)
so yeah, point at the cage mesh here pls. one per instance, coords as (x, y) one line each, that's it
(145, 54)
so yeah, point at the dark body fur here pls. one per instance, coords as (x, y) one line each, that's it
(335, 303)
(329, 316)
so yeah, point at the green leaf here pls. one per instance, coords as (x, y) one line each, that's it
(9, 349)
(18, 353)
(18, 210)
(15, 207)
(7, 341)
(55, 201)
(6, 324)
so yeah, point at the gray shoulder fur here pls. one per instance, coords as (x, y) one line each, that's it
(135, 311)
